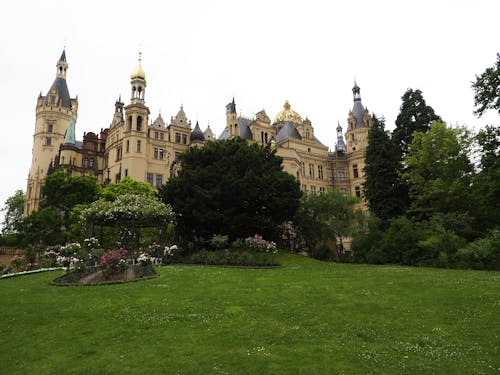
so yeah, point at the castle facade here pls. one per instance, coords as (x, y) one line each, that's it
(136, 146)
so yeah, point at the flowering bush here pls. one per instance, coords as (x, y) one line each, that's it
(114, 261)
(257, 243)
(143, 259)
(169, 251)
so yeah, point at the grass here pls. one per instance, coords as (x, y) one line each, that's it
(307, 317)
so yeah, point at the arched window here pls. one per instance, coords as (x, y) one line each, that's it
(139, 123)
(129, 123)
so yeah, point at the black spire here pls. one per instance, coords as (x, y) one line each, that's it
(231, 107)
(355, 92)
(63, 56)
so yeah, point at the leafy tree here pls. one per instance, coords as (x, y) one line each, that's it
(438, 171)
(42, 227)
(487, 89)
(232, 188)
(63, 191)
(326, 218)
(487, 180)
(382, 187)
(13, 208)
(415, 115)
(126, 186)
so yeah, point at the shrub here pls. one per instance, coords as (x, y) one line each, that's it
(17, 262)
(219, 242)
(114, 261)
(482, 254)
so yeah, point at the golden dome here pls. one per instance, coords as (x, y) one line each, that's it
(138, 71)
(288, 115)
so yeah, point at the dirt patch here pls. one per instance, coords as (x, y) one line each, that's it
(97, 276)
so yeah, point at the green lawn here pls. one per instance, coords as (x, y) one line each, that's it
(307, 317)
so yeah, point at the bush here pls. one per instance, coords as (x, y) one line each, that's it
(482, 254)
(219, 242)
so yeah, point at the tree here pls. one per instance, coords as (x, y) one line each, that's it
(438, 171)
(384, 193)
(231, 188)
(126, 186)
(487, 180)
(415, 115)
(487, 89)
(42, 227)
(13, 208)
(63, 191)
(326, 218)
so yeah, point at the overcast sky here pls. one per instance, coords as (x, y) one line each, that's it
(202, 53)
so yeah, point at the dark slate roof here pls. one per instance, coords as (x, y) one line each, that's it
(288, 131)
(197, 134)
(243, 127)
(61, 87)
(63, 56)
(245, 132)
(358, 111)
(316, 140)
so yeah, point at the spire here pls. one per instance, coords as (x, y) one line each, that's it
(358, 110)
(340, 146)
(138, 82)
(69, 138)
(355, 92)
(197, 135)
(62, 66)
(138, 72)
(231, 107)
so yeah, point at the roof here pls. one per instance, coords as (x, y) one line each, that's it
(69, 137)
(288, 131)
(358, 111)
(63, 56)
(197, 134)
(244, 130)
(61, 88)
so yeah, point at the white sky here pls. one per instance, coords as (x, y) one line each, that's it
(202, 53)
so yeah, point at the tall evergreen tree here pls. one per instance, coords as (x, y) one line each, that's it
(382, 188)
(415, 115)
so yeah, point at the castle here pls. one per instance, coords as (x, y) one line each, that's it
(135, 146)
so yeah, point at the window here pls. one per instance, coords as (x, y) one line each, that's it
(155, 153)
(184, 139)
(156, 135)
(302, 169)
(149, 178)
(162, 154)
(91, 162)
(162, 136)
(129, 122)
(355, 171)
(117, 178)
(321, 190)
(313, 190)
(357, 189)
(48, 141)
(320, 172)
(118, 153)
(262, 137)
(177, 137)
(139, 123)
(62, 161)
(50, 127)
(352, 137)
(307, 134)
(304, 188)
(265, 137)
(159, 180)
(311, 170)
(127, 146)
(86, 162)
(138, 146)
(126, 172)
(341, 175)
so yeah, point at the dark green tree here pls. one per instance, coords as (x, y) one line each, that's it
(414, 115)
(41, 228)
(439, 171)
(487, 89)
(62, 191)
(231, 188)
(382, 189)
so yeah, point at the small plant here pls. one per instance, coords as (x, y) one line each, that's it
(219, 242)
(17, 261)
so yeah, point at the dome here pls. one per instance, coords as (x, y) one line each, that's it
(138, 71)
(197, 134)
(288, 115)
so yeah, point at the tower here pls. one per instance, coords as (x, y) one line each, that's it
(359, 122)
(53, 114)
(232, 120)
